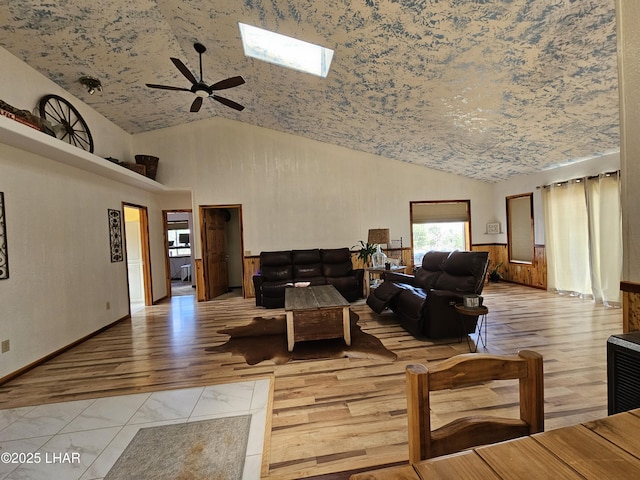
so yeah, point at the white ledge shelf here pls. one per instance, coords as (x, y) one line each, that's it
(25, 138)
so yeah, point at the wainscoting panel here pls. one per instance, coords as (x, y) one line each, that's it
(534, 275)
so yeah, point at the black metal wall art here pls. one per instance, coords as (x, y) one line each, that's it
(4, 255)
(115, 235)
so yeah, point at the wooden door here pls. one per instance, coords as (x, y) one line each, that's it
(215, 254)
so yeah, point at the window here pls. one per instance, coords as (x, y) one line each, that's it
(440, 226)
(520, 228)
(178, 238)
(285, 51)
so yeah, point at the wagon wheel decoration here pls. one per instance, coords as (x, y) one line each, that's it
(67, 123)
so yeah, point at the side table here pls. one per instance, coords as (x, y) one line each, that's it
(481, 312)
(380, 271)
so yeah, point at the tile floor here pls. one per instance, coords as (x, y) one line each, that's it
(81, 440)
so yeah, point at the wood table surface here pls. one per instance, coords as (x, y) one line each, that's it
(316, 313)
(310, 298)
(603, 448)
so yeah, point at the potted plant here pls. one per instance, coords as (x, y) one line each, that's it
(494, 273)
(365, 252)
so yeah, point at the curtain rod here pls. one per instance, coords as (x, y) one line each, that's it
(578, 179)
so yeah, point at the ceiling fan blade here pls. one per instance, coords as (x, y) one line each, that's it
(228, 103)
(197, 103)
(184, 70)
(166, 87)
(228, 83)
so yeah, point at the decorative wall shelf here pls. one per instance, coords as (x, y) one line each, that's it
(25, 138)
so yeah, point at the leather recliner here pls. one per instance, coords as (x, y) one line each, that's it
(424, 303)
(281, 270)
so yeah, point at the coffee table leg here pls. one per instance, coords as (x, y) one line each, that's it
(290, 337)
(346, 325)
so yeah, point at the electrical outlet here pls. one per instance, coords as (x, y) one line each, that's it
(108, 305)
(6, 346)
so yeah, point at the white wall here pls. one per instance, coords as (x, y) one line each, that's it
(300, 193)
(529, 183)
(61, 275)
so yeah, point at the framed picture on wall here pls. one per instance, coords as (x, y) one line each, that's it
(493, 227)
(115, 235)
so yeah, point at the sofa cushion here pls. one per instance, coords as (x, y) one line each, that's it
(463, 272)
(336, 262)
(456, 283)
(426, 278)
(271, 259)
(313, 281)
(304, 257)
(277, 273)
(307, 271)
(433, 260)
(336, 269)
(275, 289)
(427, 275)
(343, 284)
(335, 255)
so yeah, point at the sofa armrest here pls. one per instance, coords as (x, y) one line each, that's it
(448, 296)
(257, 287)
(397, 277)
(359, 274)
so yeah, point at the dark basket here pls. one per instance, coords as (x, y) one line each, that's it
(141, 169)
(152, 171)
(147, 160)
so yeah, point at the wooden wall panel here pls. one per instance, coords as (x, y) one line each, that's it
(533, 275)
(630, 306)
(200, 290)
(251, 267)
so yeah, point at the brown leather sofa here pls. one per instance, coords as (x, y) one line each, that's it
(424, 302)
(280, 270)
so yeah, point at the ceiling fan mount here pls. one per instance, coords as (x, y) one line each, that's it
(200, 88)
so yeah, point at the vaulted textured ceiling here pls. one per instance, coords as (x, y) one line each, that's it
(483, 88)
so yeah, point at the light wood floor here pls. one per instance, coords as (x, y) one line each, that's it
(335, 415)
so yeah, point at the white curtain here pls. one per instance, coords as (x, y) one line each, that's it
(605, 237)
(583, 237)
(567, 238)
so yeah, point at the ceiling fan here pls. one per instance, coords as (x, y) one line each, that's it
(201, 89)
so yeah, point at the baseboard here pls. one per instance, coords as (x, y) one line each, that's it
(48, 357)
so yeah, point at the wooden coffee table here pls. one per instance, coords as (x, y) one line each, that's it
(316, 313)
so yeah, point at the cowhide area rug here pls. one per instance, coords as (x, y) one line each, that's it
(266, 339)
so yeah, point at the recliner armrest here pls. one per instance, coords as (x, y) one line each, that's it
(257, 288)
(359, 274)
(447, 295)
(397, 277)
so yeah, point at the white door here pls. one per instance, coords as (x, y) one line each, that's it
(135, 263)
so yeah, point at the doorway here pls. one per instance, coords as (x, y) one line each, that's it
(222, 250)
(136, 233)
(180, 268)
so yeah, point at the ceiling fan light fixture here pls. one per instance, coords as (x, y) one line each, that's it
(202, 93)
(91, 84)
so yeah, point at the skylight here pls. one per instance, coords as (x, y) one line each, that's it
(285, 51)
